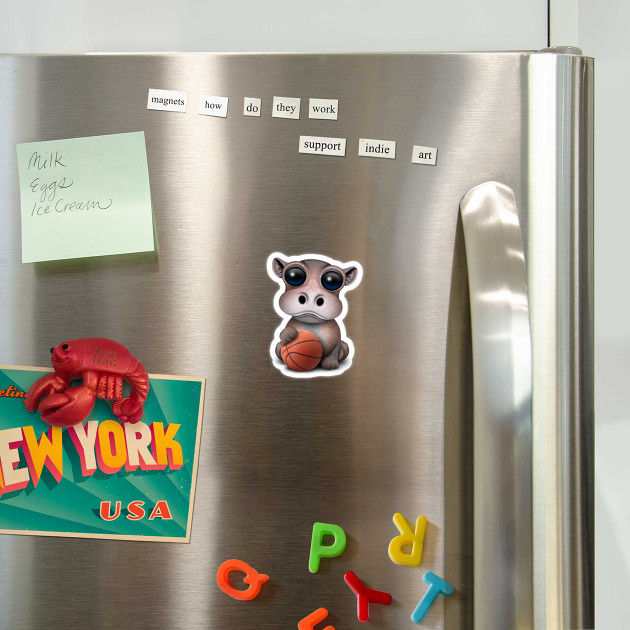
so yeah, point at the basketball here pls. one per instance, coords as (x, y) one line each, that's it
(303, 353)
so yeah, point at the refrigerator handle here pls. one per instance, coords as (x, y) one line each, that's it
(502, 375)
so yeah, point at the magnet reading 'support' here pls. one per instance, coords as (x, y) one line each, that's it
(102, 364)
(311, 341)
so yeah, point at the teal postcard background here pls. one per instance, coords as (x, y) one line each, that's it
(72, 505)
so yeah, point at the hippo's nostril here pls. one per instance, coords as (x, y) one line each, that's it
(320, 301)
(302, 299)
(51, 350)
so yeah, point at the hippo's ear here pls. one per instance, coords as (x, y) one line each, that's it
(278, 265)
(351, 275)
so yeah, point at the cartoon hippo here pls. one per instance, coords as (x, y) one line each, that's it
(311, 295)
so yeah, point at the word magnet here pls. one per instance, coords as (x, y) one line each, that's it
(167, 100)
(322, 146)
(323, 108)
(377, 148)
(213, 105)
(285, 107)
(424, 155)
(251, 106)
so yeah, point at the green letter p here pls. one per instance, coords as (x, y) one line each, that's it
(319, 551)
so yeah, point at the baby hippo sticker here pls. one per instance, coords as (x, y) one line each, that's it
(311, 341)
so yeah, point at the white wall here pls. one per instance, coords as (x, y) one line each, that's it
(270, 25)
(604, 29)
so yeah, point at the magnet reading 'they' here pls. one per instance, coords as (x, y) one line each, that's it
(311, 341)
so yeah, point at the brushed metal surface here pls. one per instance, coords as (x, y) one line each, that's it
(391, 434)
(560, 277)
(502, 368)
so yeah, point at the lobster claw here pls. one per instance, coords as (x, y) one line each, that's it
(44, 386)
(68, 408)
(128, 409)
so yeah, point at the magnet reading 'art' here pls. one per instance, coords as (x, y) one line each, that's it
(312, 341)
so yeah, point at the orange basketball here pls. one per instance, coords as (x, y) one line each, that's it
(303, 353)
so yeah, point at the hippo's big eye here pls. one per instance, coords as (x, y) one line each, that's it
(295, 276)
(65, 346)
(332, 280)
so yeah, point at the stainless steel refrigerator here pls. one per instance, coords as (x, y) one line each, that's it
(469, 398)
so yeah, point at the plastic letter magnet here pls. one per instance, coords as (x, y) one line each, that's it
(436, 586)
(407, 537)
(252, 577)
(309, 622)
(319, 550)
(365, 595)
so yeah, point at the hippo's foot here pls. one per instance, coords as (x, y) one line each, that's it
(329, 363)
(279, 350)
(288, 335)
(344, 351)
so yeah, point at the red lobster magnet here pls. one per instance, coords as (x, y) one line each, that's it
(102, 364)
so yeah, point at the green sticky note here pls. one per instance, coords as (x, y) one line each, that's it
(85, 197)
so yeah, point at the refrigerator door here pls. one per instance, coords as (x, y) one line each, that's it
(395, 432)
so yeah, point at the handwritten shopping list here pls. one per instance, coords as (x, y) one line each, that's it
(85, 197)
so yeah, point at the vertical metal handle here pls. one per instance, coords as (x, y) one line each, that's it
(502, 374)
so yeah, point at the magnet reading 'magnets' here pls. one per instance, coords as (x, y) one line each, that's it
(311, 341)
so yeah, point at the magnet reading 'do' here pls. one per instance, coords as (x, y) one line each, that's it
(312, 341)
